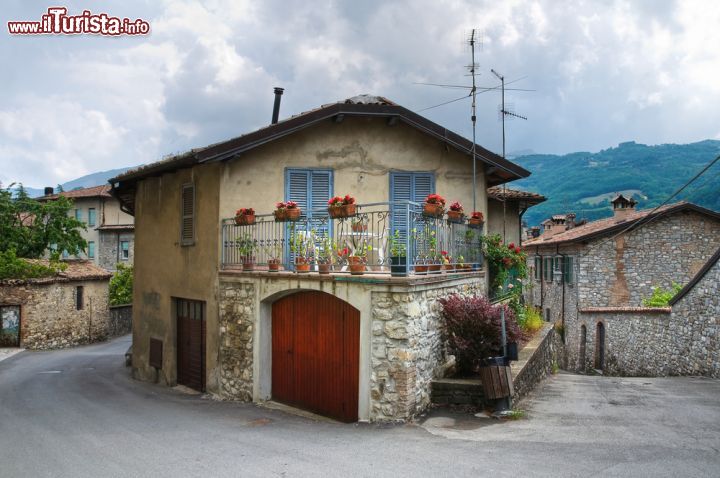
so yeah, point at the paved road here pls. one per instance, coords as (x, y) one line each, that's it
(76, 413)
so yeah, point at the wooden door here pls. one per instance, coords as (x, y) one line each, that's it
(191, 344)
(316, 354)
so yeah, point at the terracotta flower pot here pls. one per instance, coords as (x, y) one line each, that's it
(246, 220)
(336, 211)
(455, 216)
(324, 268)
(248, 265)
(293, 213)
(359, 227)
(421, 268)
(302, 265)
(280, 215)
(349, 210)
(475, 223)
(433, 210)
(434, 268)
(274, 265)
(357, 269)
(448, 267)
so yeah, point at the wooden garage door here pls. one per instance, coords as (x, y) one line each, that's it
(315, 354)
(191, 343)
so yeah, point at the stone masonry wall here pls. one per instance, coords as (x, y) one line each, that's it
(407, 350)
(238, 318)
(536, 361)
(120, 320)
(49, 318)
(109, 249)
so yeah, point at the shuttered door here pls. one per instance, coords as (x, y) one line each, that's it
(311, 189)
(191, 344)
(315, 354)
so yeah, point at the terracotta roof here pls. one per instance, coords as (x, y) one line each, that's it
(500, 170)
(698, 277)
(92, 192)
(117, 227)
(613, 225)
(515, 195)
(77, 270)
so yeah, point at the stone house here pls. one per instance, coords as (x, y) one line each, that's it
(611, 265)
(110, 230)
(70, 308)
(353, 347)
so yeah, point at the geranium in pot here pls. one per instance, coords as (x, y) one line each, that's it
(245, 216)
(246, 247)
(301, 245)
(477, 220)
(448, 263)
(325, 253)
(273, 251)
(398, 255)
(339, 207)
(357, 260)
(434, 205)
(287, 211)
(455, 213)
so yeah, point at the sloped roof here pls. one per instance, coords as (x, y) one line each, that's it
(361, 105)
(698, 277)
(516, 195)
(77, 270)
(92, 192)
(613, 224)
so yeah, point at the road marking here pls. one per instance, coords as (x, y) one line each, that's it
(52, 371)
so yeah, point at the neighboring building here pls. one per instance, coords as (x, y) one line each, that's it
(612, 264)
(345, 346)
(110, 231)
(70, 308)
(506, 208)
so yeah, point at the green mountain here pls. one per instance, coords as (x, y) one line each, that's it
(89, 180)
(584, 183)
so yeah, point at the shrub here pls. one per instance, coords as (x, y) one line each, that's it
(661, 297)
(530, 320)
(472, 329)
(121, 285)
(13, 267)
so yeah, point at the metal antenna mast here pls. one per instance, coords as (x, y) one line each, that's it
(473, 118)
(503, 113)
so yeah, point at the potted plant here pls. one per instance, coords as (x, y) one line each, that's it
(455, 214)
(435, 259)
(447, 261)
(245, 216)
(476, 220)
(421, 260)
(359, 225)
(301, 245)
(434, 205)
(246, 246)
(287, 211)
(357, 260)
(325, 254)
(398, 255)
(339, 207)
(273, 250)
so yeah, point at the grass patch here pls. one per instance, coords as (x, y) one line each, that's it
(515, 414)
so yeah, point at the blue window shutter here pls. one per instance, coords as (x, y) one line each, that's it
(297, 187)
(423, 184)
(311, 189)
(408, 186)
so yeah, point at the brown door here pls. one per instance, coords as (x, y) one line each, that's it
(191, 344)
(316, 353)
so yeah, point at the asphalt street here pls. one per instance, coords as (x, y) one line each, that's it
(77, 413)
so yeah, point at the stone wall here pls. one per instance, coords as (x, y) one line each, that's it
(108, 252)
(407, 349)
(548, 296)
(49, 318)
(536, 361)
(238, 317)
(120, 320)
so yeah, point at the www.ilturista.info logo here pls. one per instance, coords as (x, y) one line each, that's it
(58, 22)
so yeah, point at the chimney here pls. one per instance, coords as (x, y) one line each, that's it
(535, 232)
(276, 106)
(570, 220)
(49, 190)
(623, 207)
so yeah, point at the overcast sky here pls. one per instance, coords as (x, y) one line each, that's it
(603, 73)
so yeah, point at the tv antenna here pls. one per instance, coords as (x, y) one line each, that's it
(504, 113)
(473, 92)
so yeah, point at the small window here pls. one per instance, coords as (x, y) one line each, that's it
(91, 216)
(124, 250)
(78, 214)
(79, 297)
(187, 223)
(538, 267)
(548, 269)
(557, 268)
(91, 249)
(568, 270)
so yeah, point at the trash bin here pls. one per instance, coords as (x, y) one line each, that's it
(496, 378)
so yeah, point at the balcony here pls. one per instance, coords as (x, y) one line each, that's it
(380, 238)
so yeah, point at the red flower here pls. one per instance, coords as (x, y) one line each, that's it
(444, 253)
(335, 201)
(280, 205)
(348, 199)
(435, 199)
(511, 245)
(343, 252)
(518, 250)
(477, 215)
(291, 204)
(456, 206)
(245, 211)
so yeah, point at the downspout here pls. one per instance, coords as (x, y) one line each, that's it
(562, 280)
(522, 211)
(542, 281)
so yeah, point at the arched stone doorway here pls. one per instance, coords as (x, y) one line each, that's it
(316, 354)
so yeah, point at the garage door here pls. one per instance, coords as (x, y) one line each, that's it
(191, 344)
(315, 354)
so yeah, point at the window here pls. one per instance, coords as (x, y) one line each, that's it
(408, 186)
(91, 216)
(556, 262)
(91, 249)
(311, 189)
(548, 269)
(187, 222)
(538, 267)
(124, 250)
(78, 214)
(79, 299)
(568, 270)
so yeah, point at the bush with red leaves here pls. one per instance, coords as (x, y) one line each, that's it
(472, 329)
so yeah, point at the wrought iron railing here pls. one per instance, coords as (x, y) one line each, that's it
(387, 238)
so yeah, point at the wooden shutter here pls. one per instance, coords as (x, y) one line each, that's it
(568, 269)
(408, 186)
(311, 189)
(187, 224)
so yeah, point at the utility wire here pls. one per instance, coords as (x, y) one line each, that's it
(445, 103)
(649, 217)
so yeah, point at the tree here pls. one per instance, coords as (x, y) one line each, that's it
(121, 285)
(29, 227)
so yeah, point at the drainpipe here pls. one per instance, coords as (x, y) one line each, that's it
(542, 282)
(522, 211)
(562, 280)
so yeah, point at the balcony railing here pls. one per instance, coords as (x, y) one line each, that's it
(383, 238)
